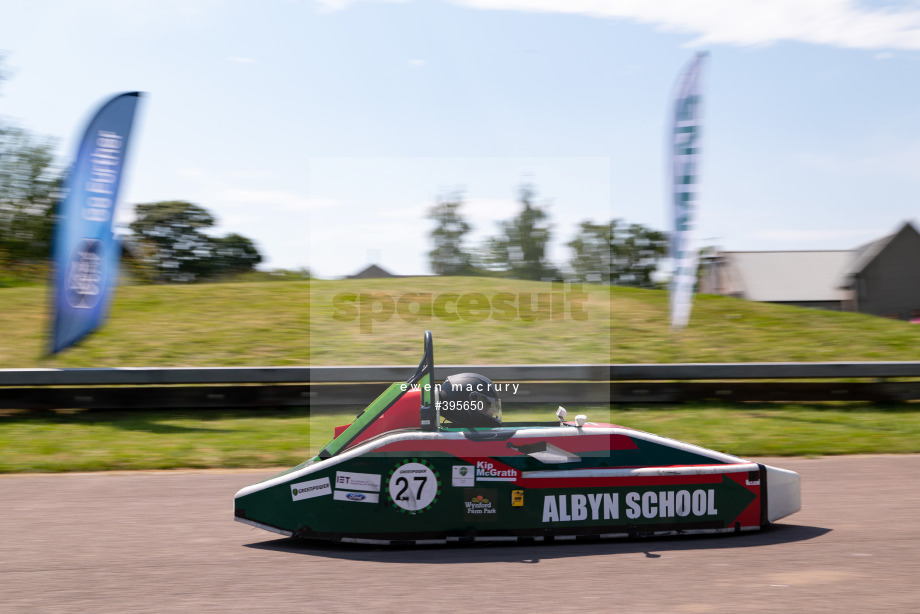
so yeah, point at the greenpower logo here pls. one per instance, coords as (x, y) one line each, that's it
(311, 488)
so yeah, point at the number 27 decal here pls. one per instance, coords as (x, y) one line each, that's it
(413, 486)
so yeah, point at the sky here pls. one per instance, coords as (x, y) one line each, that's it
(325, 129)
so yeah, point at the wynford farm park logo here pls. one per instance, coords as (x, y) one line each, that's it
(564, 300)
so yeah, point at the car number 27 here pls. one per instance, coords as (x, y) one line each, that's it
(413, 486)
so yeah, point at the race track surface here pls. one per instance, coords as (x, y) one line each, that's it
(166, 542)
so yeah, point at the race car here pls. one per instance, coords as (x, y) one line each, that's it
(429, 463)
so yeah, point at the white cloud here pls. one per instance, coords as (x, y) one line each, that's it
(903, 162)
(238, 220)
(419, 211)
(416, 63)
(242, 60)
(279, 199)
(492, 209)
(328, 6)
(333, 5)
(900, 160)
(191, 173)
(474, 210)
(150, 13)
(838, 23)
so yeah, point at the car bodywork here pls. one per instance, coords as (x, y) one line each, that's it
(399, 475)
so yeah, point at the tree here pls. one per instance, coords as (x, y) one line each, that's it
(520, 250)
(28, 190)
(617, 253)
(235, 254)
(593, 254)
(172, 240)
(29, 186)
(448, 256)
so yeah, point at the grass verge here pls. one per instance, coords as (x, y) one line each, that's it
(311, 322)
(104, 441)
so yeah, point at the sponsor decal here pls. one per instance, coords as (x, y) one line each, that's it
(357, 481)
(752, 482)
(86, 274)
(517, 498)
(463, 476)
(486, 471)
(647, 505)
(357, 497)
(479, 504)
(413, 486)
(310, 489)
(566, 508)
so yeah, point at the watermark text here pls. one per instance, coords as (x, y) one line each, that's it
(564, 300)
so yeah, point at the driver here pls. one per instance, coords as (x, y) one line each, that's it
(470, 400)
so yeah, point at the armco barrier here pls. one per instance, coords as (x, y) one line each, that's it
(148, 387)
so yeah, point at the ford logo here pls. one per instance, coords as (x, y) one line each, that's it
(355, 496)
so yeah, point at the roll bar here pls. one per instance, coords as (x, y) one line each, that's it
(424, 377)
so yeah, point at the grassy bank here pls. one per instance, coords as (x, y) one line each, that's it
(299, 323)
(347, 322)
(98, 441)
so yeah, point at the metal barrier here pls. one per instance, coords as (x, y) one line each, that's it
(190, 388)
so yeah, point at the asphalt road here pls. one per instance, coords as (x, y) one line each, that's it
(166, 542)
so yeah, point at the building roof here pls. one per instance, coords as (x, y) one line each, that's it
(868, 252)
(371, 272)
(798, 276)
(864, 254)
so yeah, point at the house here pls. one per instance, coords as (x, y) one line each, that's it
(371, 272)
(880, 278)
(884, 278)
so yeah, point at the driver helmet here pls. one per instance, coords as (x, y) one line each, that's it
(470, 400)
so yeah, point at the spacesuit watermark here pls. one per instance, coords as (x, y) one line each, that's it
(563, 301)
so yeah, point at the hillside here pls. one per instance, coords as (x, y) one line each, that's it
(363, 322)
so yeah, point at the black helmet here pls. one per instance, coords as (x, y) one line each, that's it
(469, 399)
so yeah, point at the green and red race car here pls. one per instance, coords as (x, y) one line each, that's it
(428, 463)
